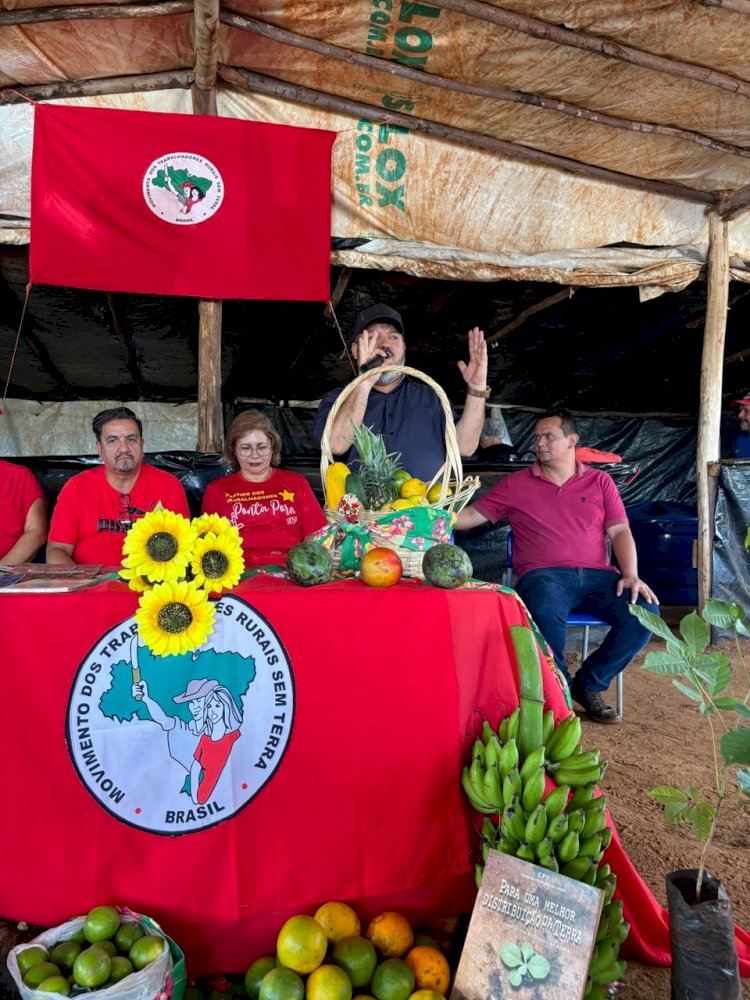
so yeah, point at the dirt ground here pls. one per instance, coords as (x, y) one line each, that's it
(662, 740)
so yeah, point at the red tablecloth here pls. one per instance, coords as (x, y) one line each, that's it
(389, 686)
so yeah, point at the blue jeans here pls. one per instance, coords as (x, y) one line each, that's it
(552, 594)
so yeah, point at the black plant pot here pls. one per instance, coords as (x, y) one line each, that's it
(704, 957)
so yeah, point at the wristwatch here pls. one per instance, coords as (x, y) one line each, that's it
(479, 393)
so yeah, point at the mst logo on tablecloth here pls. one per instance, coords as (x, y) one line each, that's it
(178, 744)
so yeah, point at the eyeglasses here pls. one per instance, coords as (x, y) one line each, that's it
(249, 449)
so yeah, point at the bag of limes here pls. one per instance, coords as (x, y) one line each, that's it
(111, 951)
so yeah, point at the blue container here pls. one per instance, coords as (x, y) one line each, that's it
(664, 536)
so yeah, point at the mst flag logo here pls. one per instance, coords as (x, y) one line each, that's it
(177, 744)
(183, 188)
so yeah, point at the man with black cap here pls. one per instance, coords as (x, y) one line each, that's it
(742, 441)
(406, 412)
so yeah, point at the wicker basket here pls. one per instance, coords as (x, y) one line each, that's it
(450, 474)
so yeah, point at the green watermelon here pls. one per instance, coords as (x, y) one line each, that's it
(447, 566)
(308, 564)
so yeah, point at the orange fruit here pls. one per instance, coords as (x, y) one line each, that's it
(338, 920)
(146, 950)
(101, 923)
(430, 968)
(412, 489)
(328, 982)
(390, 934)
(92, 967)
(426, 995)
(357, 958)
(380, 568)
(41, 971)
(393, 980)
(282, 984)
(433, 494)
(30, 956)
(254, 975)
(301, 944)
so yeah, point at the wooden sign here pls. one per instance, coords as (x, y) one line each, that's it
(531, 934)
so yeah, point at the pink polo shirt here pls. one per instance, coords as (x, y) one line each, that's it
(556, 525)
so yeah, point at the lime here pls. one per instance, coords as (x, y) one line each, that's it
(357, 958)
(328, 982)
(92, 967)
(301, 944)
(145, 950)
(109, 946)
(422, 939)
(39, 972)
(338, 920)
(55, 984)
(79, 936)
(65, 953)
(101, 923)
(254, 975)
(30, 956)
(127, 934)
(281, 984)
(393, 980)
(121, 967)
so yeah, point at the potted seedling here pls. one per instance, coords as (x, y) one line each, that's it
(704, 958)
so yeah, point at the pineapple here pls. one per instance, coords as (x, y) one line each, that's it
(376, 468)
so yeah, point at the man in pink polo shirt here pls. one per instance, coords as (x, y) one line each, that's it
(562, 514)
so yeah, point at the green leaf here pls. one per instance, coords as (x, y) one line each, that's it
(695, 632)
(515, 977)
(669, 664)
(510, 955)
(715, 670)
(700, 818)
(667, 793)
(688, 691)
(735, 746)
(652, 622)
(743, 781)
(695, 794)
(527, 951)
(732, 705)
(674, 812)
(720, 614)
(538, 967)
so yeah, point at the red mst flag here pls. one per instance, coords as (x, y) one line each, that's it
(132, 201)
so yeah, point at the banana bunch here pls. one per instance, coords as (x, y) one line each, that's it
(564, 830)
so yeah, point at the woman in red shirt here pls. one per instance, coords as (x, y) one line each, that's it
(272, 508)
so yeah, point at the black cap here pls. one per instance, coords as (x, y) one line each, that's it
(378, 312)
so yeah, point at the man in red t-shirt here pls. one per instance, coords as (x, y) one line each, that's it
(23, 514)
(562, 514)
(95, 508)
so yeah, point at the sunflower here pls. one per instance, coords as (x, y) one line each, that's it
(174, 618)
(217, 562)
(158, 545)
(136, 581)
(209, 522)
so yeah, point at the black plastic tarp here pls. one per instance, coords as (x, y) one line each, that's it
(731, 563)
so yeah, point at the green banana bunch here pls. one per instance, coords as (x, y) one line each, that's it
(478, 752)
(533, 762)
(575, 761)
(544, 849)
(508, 728)
(591, 847)
(576, 776)
(549, 861)
(594, 819)
(548, 725)
(605, 954)
(567, 848)
(533, 790)
(487, 732)
(492, 750)
(578, 868)
(507, 845)
(581, 795)
(576, 819)
(564, 739)
(493, 791)
(557, 827)
(490, 831)
(525, 852)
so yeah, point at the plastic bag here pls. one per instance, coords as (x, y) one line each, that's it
(163, 979)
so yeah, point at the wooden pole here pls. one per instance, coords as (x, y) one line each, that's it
(709, 419)
(210, 418)
(210, 423)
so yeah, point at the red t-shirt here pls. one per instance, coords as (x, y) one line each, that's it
(271, 516)
(94, 516)
(212, 756)
(18, 491)
(556, 525)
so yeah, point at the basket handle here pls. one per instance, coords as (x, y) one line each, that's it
(452, 464)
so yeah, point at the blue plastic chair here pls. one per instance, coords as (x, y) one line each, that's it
(574, 620)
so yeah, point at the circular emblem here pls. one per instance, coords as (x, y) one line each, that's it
(178, 744)
(183, 188)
